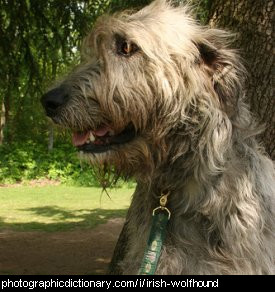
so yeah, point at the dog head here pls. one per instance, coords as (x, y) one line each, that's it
(147, 79)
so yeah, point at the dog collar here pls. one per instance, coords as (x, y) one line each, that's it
(160, 218)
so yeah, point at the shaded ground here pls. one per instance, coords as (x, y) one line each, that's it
(78, 252)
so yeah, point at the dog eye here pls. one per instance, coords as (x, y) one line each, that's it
(125, 47)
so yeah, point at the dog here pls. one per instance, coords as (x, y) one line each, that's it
(160, 99)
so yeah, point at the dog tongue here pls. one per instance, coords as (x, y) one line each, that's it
(80, 139)
(102, 131)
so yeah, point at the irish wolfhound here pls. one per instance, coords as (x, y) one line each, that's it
(160, 98)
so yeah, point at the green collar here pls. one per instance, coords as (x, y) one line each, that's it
(161, 216)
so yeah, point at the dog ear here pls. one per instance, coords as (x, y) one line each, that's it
(208, 54)
(224, 68)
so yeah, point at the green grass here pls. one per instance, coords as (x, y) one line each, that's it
(60, 208)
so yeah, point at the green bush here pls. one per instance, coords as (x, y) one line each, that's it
(21, 162)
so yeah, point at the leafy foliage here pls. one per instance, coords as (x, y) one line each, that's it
(39, 41)
(31, 160)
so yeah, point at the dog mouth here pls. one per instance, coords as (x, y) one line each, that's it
(102, 139)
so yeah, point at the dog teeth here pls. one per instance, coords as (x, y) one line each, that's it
(92, 137)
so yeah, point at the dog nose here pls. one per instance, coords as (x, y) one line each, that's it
(53, 100)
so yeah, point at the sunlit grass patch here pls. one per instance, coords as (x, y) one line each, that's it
(57, 208)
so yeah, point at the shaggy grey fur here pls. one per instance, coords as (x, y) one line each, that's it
(181, 87)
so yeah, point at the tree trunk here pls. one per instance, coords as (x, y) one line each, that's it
(253, 22)
(2, 122)
(5, 118)
(51, 138)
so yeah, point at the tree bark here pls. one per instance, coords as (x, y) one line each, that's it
(51, 138)
(253, 22)
(5, 119)
(8, 134)
(2, 122)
